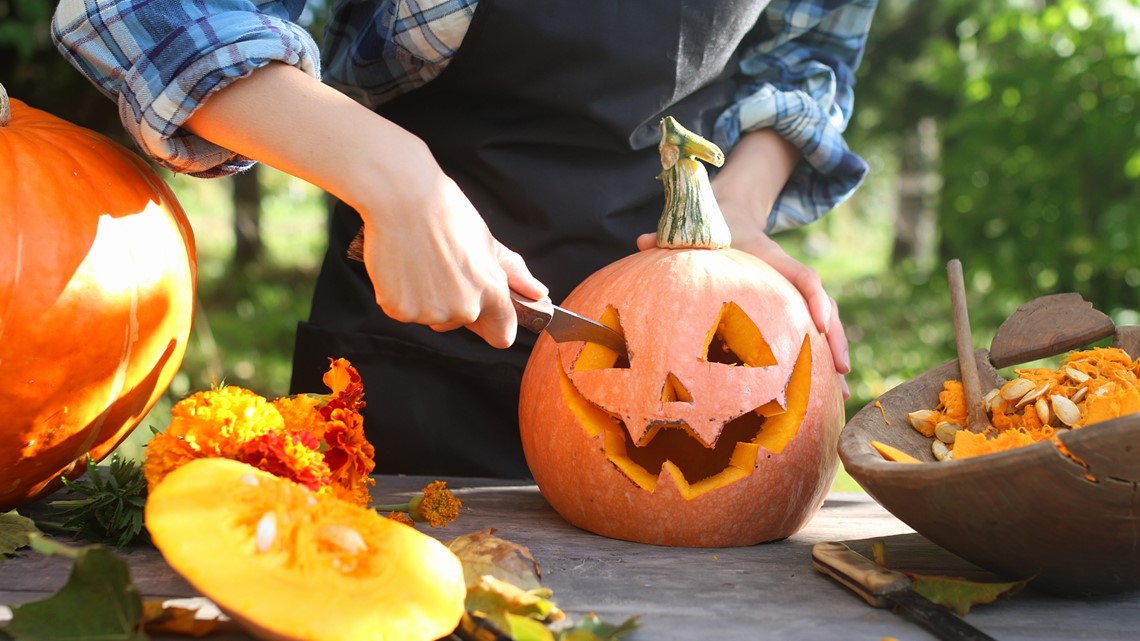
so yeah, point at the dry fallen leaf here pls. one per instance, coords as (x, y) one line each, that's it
(483, 553)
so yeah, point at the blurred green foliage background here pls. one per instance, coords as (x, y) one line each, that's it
(1004, 134)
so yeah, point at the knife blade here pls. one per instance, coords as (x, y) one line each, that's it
(564, 325)
(884, 588)
(536, 315)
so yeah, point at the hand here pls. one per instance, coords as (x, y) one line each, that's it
(746, 188)
(429, 254)
(433, 261)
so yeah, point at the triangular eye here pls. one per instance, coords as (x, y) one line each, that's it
(594, 356)
(674, 391)
(735, 340)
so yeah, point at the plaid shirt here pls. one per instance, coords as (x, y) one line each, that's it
(160, 59)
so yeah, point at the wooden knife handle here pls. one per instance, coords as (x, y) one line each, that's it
(856, 571)
(534, 315)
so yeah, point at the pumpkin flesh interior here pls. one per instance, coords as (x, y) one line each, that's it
(696, 468)
(302, 565)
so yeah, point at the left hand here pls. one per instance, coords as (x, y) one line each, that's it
(746, 195)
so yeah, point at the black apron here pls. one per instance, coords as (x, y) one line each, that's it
(547, 118)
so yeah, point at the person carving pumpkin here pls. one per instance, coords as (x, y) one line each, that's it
(483, 145)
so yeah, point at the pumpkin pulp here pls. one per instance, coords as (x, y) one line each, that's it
(271, 552)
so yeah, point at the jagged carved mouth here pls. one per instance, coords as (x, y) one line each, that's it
(695, 466)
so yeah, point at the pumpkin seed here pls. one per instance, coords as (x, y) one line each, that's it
(266, 531)
(1042, 407)
(921, 420)
(1079, 395)
(993, 401)
(343, 537)
(1076, 375)
(945, 431)
(1033, 395)
(941, 450)
(1066, 410)
(1016, 388)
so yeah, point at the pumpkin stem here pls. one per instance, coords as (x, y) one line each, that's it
(692, 217)
(5, 108)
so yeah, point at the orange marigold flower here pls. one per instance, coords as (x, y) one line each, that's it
(295, 455)
(435, 505)
(315, 440)
(344, 381)
(401, 517)
(438, 506)
(302, 412)
(164, 453)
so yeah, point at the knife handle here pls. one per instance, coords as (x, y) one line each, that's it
(534, 315)
(857, 572)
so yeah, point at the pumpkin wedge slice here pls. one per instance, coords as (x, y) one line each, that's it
(291, 564)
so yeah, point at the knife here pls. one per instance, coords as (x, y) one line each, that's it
(564, 325)
(884, 588)
(536, 315)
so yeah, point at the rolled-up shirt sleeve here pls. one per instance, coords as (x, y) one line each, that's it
(162, 59)
(799, 81)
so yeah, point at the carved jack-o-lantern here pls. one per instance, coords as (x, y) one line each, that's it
(720, 428)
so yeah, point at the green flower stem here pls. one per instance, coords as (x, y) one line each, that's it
(412, 507)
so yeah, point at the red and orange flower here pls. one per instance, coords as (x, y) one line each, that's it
(315, 440)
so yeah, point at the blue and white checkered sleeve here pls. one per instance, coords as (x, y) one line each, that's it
(799, 81)
(161, 60)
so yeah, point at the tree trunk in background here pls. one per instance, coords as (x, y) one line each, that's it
(248, 247)
(917, 222)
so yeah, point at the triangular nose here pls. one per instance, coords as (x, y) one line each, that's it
(673, 391)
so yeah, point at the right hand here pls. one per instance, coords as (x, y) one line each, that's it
(432, 260)
(429, 254)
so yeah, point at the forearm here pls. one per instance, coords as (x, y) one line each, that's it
(289, 120)
(750, 182)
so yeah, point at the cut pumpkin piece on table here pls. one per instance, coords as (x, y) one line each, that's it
(290, 564)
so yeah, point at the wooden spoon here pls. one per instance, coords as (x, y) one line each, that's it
(967, 366)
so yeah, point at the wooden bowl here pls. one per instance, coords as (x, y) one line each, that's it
(1029, 513)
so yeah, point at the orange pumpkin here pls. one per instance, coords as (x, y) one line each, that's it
(97, 281)
(721, 427)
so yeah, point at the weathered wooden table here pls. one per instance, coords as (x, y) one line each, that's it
(767, 591)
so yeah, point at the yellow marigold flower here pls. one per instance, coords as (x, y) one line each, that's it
(218, 422)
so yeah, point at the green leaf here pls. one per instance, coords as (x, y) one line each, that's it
(110, 504)
(14, 532)
(592, 628)
(495, 599)
(98, 602)
(523, 628)
(959, 594)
